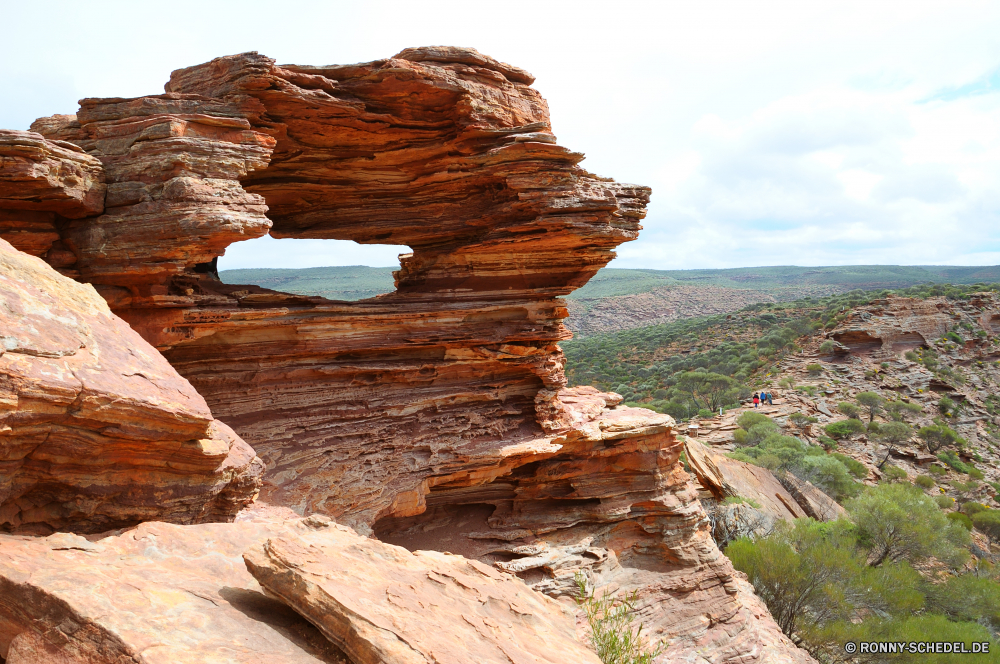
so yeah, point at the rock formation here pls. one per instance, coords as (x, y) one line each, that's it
(435, 416)
(384, 605)
(97, 430)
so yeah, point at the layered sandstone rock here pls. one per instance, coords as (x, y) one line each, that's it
(158, 594)
(435, 415)
(97, 430)
(44, 184)
(382, 604)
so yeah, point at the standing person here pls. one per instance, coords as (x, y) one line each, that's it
(756, 400)
(769, 399)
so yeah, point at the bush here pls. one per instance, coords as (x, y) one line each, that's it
(853, 466)
(897, 522)
(826, 347)
(900, 410)
(849, 409)
(960, 519)
(844, 429)
(976, 474)
(911, 356)
(830, 444)
(705, 412)
(938, 435)
(611, 632)
(952, 460)
(924, 481)
(829, 474)
(872, 402)
(946, 406)
(800, 419)
(988, 522)
(814, 368)
(893, 473)
(944, 502)
(936, 470)
(972, 508)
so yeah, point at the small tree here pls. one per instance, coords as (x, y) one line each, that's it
(844, 428)
(707, 390)
(611, 631)
(900, 410)
(898, 522)
(872, 402)
(891, 434)
(849, 409)
(937, 436)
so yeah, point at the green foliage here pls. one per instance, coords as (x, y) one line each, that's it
(946, 406)
(967, 598)
(872, 402)
(849, 409)
(944, 502)
(971, 508)
(920, 628)
(911, 356)
(937, 436)
(827, 443)
(950, 458)
(814, 368)
(900, 410)
(936, 470)
(708, 390)
(924, 481)
(853, 466)
(955, 337)
(893, 433)
(897, 522)
(740, 500)
(988, 522)
(611, 633)
(704, 412)
(844, 428)
(829, 474)
(826, 347)
(893, 473)
(961, 519)
(976, 474)
(800, 419)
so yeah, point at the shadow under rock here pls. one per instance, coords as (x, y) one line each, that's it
(258, 606)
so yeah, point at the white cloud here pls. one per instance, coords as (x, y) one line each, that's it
(771, 132)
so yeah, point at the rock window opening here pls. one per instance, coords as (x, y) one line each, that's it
(332, 269)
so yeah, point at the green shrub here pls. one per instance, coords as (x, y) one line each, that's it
(961, 519)
(911, 356)
(972, 508)
(829, 474)
(950, 458)
(946, 406)
(740, 500)
(900, 410)
(814, 368)
(944, 502)
(924, 481)
(830, 444)
(873, 402)
(937, 436)
(955, 337)
(898, 522)
(849, 409)
(611, 633)
(853, 466)
(975, 473)
(844, 428)
(936, 470)
(988, 522)
(893, 473)
(826, 347)
(801, 419)
(705, 412)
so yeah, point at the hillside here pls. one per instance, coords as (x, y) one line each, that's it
(621, 299)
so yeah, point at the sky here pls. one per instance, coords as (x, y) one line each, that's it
(772, 133)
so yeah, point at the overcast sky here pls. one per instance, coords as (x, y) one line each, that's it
(772, 133)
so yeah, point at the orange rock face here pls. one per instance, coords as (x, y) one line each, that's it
(97, 430)
(435, 416)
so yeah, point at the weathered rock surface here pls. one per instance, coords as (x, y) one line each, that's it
(726, 477)
(43, 184)
(438, 410)
(812, 500)
(97, 430)
(382, 604)
(158, 594)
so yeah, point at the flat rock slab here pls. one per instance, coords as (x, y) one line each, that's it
(382, 604)
(158, 594)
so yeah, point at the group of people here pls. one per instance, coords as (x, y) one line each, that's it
(762, 398)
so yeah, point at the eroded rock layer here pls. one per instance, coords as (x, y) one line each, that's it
(97, 430)
(439, 409)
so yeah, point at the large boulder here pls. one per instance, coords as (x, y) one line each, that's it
(97, 430)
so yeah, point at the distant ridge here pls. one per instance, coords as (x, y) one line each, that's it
(357, 282)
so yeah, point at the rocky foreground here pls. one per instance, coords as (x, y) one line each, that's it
(469, 486)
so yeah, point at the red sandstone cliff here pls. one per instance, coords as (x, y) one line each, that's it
(434, 416)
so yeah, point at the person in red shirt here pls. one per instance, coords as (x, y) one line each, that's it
(756, 400)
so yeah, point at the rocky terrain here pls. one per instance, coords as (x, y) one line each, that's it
(435, 418)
